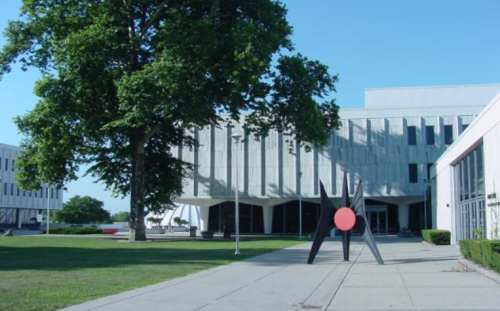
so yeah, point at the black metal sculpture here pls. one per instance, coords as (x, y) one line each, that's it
(345, 219)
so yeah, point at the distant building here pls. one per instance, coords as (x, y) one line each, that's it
(19, 208)
(466, 180)
(390, 145)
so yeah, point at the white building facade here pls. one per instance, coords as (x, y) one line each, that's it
(19, 208)
(466, 180)
(390, 145)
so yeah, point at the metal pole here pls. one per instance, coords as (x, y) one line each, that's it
(425, 204)
(236, 137)
(48, 208)
(300, 205)
(1, 203)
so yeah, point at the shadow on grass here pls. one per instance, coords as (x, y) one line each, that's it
(63, 254)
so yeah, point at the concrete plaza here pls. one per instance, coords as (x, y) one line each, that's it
(416, 276)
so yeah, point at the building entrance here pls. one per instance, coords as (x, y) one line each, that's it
(377, 219)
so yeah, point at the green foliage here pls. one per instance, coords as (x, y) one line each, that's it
(438, 237)
(125, 82)
(74, 230)
(482, 252)
(121, 217)
(82, 210)
(180, 222)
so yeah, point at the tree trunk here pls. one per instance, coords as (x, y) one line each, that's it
(137, 227)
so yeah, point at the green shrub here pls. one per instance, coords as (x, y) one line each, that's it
(437, 237)
(74, 230)
(482, 252)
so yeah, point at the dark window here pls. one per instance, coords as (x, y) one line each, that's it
(41, 192)
(13, 162)
(429, 170)
(412, 170)
(24, 193)
(448, 134)
(6, 164)
(429, 134)
(18, 191)
(57, 194)
(29, 193)
(0, 163)
(47, 192)
(36, 193)
(412, 135)
(5, 188)
(12, 189)
(51, 193)
(464, 127)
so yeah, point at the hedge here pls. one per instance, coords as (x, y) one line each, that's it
(483, 252)
(74, 230)
(437, 237)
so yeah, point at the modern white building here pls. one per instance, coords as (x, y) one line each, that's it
(19, 208)
(391, 145)
(466, 180)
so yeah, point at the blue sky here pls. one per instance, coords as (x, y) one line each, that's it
(369, 43)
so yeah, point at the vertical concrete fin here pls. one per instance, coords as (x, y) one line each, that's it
(263, 165)
(280, 163)
(229, 165)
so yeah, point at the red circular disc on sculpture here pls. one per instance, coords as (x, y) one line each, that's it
(344, 219)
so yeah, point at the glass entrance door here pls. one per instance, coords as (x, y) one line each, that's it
(377, 218)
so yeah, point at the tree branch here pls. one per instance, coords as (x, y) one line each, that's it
(153, 19)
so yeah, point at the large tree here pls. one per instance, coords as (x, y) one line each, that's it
(83, 210)
(125, 81)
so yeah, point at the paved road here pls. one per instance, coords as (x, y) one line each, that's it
(416, 276)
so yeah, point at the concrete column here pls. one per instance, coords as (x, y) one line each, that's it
(18, 218)
(268, 219)
(403, 215)
(204, 218)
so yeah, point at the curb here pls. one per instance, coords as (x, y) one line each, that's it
(470, 266)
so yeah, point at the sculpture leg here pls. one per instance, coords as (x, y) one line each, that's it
(346, 241)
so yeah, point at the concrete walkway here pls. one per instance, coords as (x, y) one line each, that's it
(416, 276)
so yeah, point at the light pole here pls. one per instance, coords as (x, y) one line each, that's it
(236, 137)
(1, 203)
(425, 204)
(299, 174)
(48, 208)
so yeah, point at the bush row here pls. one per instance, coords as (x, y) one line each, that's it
(482, 252)
(438, 237)
(74, 230)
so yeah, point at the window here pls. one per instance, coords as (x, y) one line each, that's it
(412, 135)
(24, 193)
(5, 188)
(448, 134)
(0, 163)
(429, 134)
(12, 189)
(18, 191)
(29, 193)
(413, 173)
(6, 164)
(51, 193)
(13, 162)
(57, 194)
(429, 165)
(41, 192)
(464, 127)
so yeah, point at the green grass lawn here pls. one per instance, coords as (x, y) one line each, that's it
(47, 273)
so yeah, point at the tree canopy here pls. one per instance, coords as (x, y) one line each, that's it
(125, 81)
(121, 217)
(83, 210)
